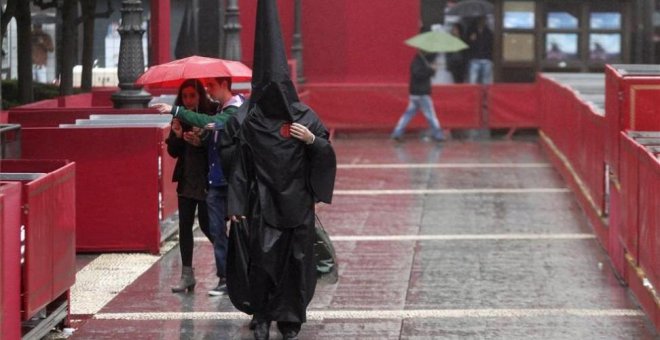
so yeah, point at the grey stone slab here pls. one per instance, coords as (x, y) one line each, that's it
(373, 275)
(503, 213)
(377, 150)
(513, 274)
(373, 215)
(547, 327)
(448, 178)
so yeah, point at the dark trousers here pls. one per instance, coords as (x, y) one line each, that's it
(216, 200)
(187, 207)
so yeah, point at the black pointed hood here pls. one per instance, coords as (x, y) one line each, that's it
(272, 88)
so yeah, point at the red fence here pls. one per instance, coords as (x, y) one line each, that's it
(48, 215)
(581, 142)
(118, 183)
(10, 260)
(378, 106)
(513, 105)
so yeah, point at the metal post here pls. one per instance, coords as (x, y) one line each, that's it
(297, 44)
(131, 58)
(232, 27)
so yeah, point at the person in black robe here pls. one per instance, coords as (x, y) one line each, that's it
(283, 165)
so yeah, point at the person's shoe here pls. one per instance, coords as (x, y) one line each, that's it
(262, 330)
(220, 289)
(397, 139)
(187, 281)
(290, 335)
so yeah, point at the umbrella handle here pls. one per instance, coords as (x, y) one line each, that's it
(424, 59)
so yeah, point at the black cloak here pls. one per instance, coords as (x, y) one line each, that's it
(275, 182)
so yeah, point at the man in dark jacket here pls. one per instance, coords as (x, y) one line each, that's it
(422, 69)
(480, 40)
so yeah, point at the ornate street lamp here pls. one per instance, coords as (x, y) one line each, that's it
(131, 58)
(297, 44)
(232, 27)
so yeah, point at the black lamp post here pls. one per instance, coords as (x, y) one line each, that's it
(131, 58)
(232, 27)
(297, 44)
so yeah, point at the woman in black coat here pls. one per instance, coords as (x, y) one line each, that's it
(190, 173)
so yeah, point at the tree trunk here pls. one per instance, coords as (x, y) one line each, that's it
(24, 48)
(68, 46)
(88, 15)
(7, 15)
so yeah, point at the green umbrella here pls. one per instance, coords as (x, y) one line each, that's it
(436, 41)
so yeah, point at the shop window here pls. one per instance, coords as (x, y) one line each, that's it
(518, 47)
(604, 47)
(562, 20)
(561, 46)
(605, 20)
(519, 14)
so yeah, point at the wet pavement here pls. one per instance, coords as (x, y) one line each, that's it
(459, 240)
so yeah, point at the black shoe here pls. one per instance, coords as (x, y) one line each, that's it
(220, 289)
(289, 330)
(262, 330)
(290, 335)
(253, 323)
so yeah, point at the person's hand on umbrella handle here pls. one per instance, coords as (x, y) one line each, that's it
(162, 107)
(302, 133)
(177, 128)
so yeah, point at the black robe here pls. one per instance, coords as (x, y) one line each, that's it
(275, 182)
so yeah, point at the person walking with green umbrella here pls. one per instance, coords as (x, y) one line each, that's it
(422, 69)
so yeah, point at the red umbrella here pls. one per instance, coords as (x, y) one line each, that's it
(172, 74)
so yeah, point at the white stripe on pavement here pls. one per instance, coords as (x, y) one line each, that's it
(452, 237)
(463, 237)
(450, 191)
(443, 165)
(383, 314)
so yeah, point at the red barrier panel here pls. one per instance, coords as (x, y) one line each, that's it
(379, 106)
(55, 117)
(99, 97)
(3, 117)
(118, 183)
(593, 167)
(49, 269)
(649, 216)
(10, 260)
(513, 105)
(631, 104)
(573, 133)
(629, 178)
(615, 248)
